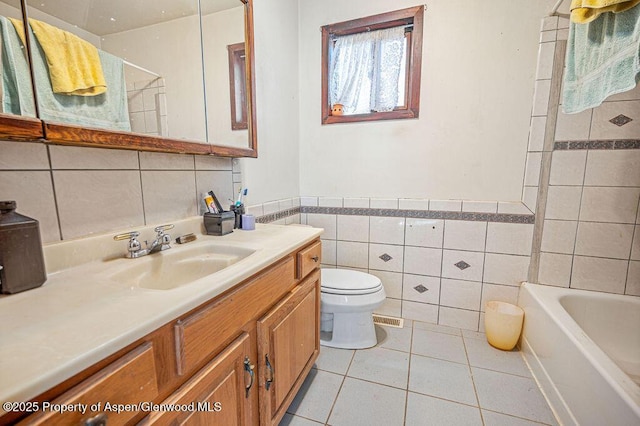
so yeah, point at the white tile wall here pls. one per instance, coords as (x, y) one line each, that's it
(555, 269)
(424, 232)
(392, 282)
(352, 254)
(472, 273)
(609, 204)
(420, 311)
(432, 295)
(590, 222)
(326, 221)
(509, 238)
(567, 167)
(505, 269)
(395, 264)
(356, 202)
(594, 273)
(480, 206)
(460, 294)
(611, 240)
(613, 168)
(536, 133)
(423, 261)
(633, 279)
(602, 128)
(559, 236)
(383, 203)
(446, 205)
(353, 228)
(389, 230)
(329, 202)
(465, 235)
(453, 317)
(573, 126)
(563, 202)
(413, 204)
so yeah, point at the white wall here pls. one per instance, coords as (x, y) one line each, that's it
(470, 142)
(275, 174)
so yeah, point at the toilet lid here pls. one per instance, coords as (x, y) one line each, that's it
(344, 281)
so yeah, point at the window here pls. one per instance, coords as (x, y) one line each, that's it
(371, 67)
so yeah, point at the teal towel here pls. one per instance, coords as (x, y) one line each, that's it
(603, 58)
(17, 95)
(108, 110)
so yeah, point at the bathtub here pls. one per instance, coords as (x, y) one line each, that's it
(583, 348)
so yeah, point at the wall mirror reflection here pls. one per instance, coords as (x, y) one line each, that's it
(223, 39)
(120, 65)
(139, 67)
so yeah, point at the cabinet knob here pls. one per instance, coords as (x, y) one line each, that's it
(315, 259)
(248, 367)
(97, 420)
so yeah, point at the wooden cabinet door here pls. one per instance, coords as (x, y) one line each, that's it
(288, 344)
(218, 393)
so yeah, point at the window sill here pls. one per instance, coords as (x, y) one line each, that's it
(376, 116)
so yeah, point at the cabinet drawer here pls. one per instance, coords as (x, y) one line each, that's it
(129, 380)
(201, 334)
(309, 258)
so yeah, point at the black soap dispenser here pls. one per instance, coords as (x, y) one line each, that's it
(21, 259)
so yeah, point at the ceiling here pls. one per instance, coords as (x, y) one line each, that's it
(103, 17)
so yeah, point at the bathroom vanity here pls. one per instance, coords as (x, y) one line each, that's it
(229, 348)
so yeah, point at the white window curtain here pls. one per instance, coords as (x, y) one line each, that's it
(365, 70)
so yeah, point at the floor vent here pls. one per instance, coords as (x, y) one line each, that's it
(388, 321)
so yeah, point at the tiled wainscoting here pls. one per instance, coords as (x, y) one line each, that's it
(74, 191)
(438, 264)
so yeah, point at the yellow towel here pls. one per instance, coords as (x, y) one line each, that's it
(585, 11)
(74, 64)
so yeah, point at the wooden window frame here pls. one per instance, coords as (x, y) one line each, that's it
(414, 16)
(237, 80)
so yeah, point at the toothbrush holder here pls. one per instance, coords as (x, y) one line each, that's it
(239, 210)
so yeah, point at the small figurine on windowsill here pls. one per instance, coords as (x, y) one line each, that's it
(337, 109)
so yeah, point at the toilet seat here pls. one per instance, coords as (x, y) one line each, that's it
(347, 282)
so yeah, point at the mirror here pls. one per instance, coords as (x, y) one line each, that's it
(224, 53)
(151, 58)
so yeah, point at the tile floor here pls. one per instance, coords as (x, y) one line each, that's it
(422, 374)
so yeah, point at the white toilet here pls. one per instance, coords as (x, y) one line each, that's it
(348, 299)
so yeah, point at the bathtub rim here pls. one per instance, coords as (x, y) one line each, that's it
(548, 299)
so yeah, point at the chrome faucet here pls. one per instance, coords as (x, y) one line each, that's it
(134, 248)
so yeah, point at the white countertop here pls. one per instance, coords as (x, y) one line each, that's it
(81, 315)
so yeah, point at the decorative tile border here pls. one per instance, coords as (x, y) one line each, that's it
(272, 217)
(422, 214)
(598, 144)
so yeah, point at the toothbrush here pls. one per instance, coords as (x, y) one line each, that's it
(241, 193)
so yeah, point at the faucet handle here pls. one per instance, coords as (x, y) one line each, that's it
(160, 229)
(134, 246)
(127, 236)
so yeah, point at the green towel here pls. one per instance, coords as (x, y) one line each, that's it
(603, 58)
(108, 110)
(17, 95)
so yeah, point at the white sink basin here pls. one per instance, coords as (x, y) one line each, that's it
(179, 266)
